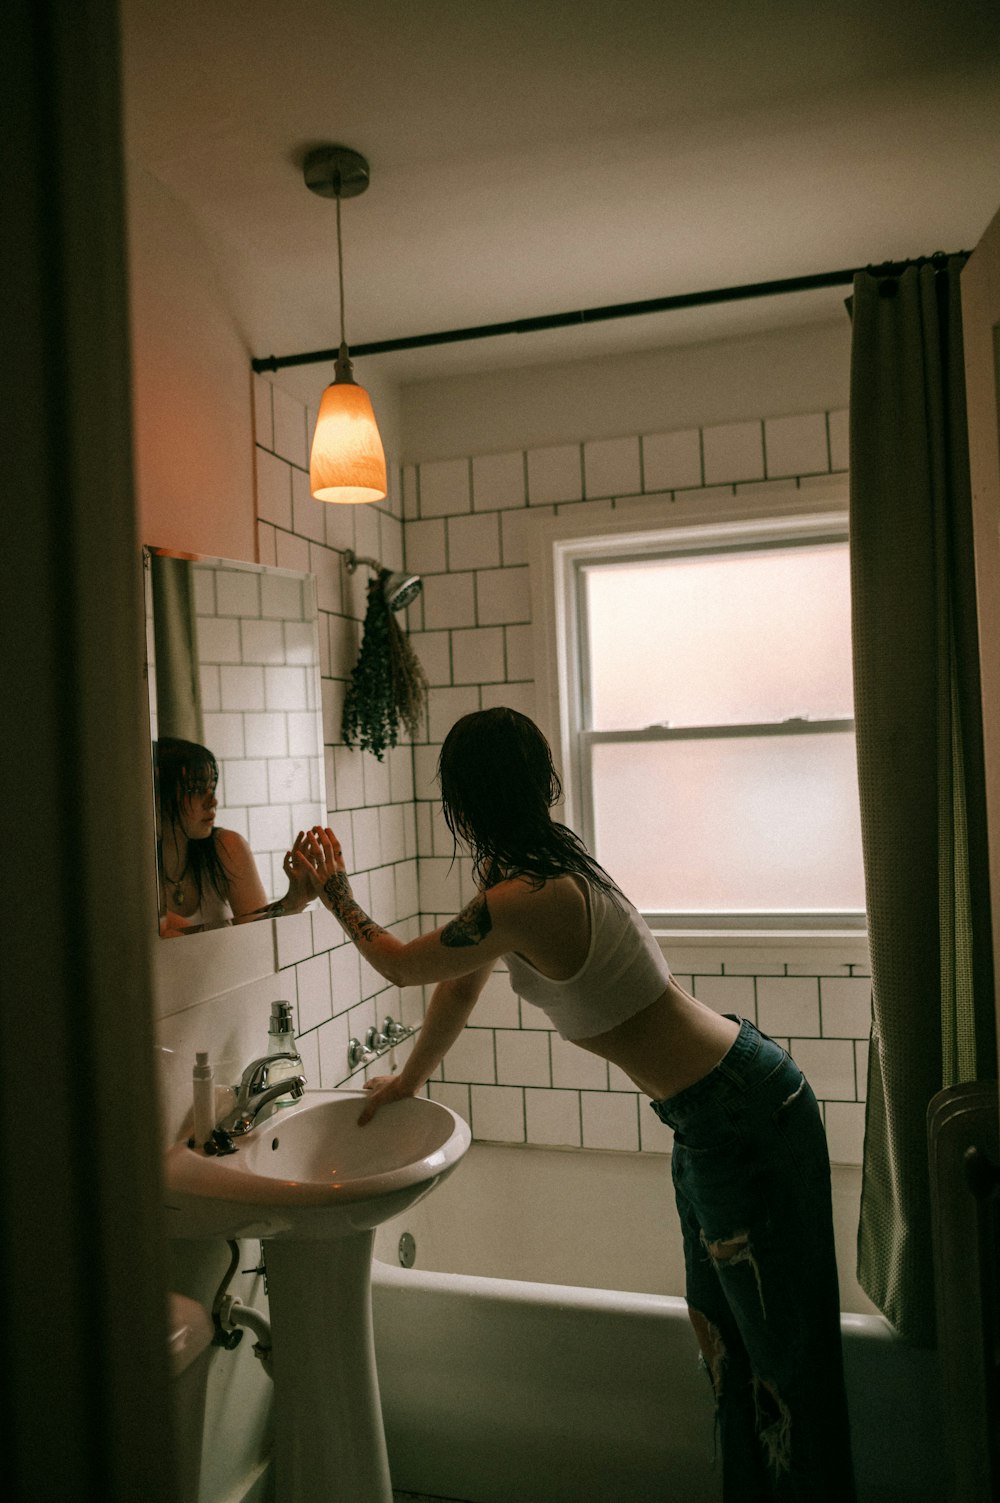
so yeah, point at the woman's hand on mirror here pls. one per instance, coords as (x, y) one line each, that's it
(321, 860)
(382, 1088)
(300, 885)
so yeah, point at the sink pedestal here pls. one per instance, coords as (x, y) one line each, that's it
(311, 1184)
(329, 1440)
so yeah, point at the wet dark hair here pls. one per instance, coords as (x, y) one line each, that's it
(498, 784)
(181, 768)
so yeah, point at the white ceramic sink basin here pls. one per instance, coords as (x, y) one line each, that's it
(310, 1172)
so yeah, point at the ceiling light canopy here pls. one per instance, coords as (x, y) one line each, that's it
(347, 461)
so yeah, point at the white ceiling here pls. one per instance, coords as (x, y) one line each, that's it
(540, 156)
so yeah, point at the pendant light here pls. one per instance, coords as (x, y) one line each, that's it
(347, 462)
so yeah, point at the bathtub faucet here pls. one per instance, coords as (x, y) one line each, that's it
(377, 1043)
(254, 1093)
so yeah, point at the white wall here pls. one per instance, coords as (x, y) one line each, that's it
(190, 385)
(783, 371)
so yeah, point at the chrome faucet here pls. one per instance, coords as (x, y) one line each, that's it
(253, 1093)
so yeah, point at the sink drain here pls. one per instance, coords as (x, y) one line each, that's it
(407, 1250)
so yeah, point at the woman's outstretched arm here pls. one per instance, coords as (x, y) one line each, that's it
(300, 891)
(487, 927)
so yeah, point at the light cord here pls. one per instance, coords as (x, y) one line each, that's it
(340, 270)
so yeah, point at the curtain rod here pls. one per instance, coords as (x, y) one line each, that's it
(597, 315)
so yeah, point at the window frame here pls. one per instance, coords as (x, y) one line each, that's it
(562, 545)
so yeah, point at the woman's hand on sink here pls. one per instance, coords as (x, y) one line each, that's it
(382, 1088)
(447, 1014)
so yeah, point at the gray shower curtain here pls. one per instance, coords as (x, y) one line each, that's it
(920, 757)
(175, 630)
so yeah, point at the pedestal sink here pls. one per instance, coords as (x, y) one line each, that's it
(313, 1186)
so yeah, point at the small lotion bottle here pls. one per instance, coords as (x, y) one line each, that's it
(203, 1078)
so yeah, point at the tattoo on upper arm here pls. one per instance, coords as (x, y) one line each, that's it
(470, 926)
(344, 907)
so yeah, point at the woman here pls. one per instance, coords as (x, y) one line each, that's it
(750, 1165)
(208, 875)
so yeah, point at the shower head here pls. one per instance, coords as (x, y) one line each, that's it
(401, 590)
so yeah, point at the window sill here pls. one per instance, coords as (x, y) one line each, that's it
(771, 951)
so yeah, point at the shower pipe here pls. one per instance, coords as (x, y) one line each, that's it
(612, 310)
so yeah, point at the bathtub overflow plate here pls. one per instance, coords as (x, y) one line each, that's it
(407, 1250)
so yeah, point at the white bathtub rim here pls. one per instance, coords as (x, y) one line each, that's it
(523, 1291)
(578, 1297)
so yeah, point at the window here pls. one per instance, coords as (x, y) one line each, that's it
(710, 734)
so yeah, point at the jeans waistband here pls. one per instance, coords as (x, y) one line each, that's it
(751, 1058)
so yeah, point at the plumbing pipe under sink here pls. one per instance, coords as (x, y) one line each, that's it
(234, 1313)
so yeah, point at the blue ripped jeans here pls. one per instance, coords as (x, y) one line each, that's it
(752, 1180)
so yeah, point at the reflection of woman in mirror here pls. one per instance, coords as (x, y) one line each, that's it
(208, 875)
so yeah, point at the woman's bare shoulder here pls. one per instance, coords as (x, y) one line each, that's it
(532, 898)
(547, 922)
(232, 842)
(523, 885)
(235, 852)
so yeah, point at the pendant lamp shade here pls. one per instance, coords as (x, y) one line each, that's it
(347, 462)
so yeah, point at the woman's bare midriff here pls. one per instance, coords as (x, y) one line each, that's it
(668, 1046)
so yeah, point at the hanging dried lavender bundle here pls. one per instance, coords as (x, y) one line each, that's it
(388, 686)
(409, 680)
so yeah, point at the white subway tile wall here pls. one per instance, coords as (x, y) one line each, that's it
(797, 445)
(499, 1110)
(612, 467)
(498, 481)
(733, 452)
(445, 488)
(555, 474)
(460, 523)
(260, 690)
(672, 461)
(513, 1077)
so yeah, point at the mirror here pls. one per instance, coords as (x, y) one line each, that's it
(233, 668)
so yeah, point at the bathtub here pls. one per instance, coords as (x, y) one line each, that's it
(538, 1350)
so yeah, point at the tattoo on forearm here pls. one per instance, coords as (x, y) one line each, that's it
(343, 906)
(470, 926)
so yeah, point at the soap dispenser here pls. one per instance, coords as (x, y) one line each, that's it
(281, 1040)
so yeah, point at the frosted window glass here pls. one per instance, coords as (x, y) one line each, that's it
(731, 824)
(720, 639)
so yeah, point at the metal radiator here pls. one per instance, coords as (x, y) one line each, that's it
(965, 1212)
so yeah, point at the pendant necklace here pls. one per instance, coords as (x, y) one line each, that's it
(177, 883)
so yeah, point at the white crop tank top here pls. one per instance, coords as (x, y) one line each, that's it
(624, 972)
(212, 911)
